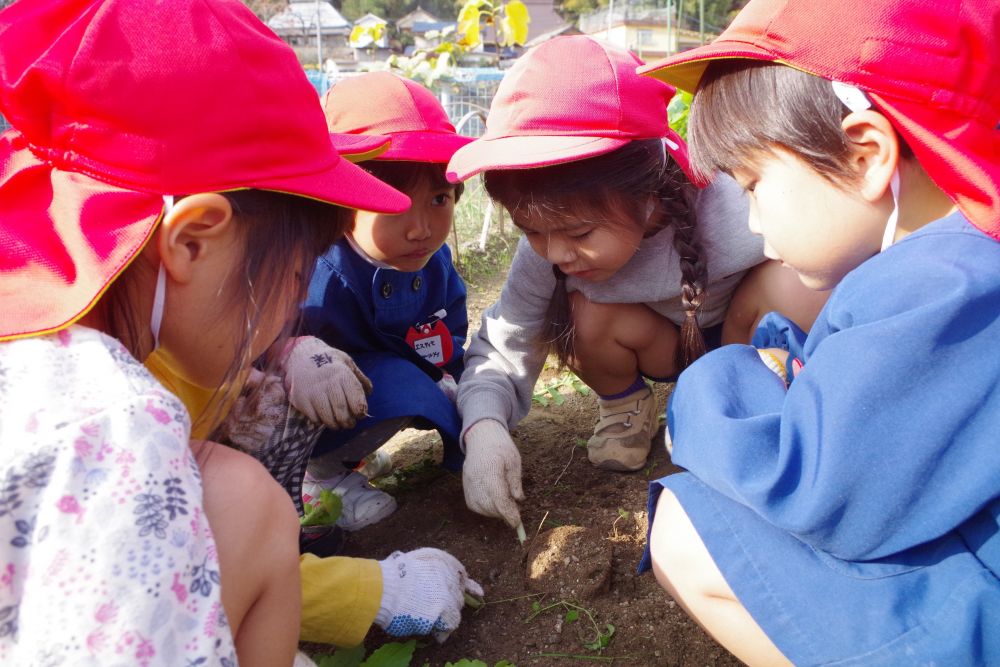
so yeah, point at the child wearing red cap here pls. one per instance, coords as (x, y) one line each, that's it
(130, 225)
(624, 262)
(388, 294)
(845, 508)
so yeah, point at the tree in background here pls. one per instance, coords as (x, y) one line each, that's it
(446, 10)
(265, 9)
(718, 13)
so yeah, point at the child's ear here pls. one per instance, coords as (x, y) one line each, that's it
(874, 151)
(195, 227)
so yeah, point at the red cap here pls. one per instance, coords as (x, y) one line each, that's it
(116, 103)
(383, 104)
(929, 65)
(359, 147)
(568, 99)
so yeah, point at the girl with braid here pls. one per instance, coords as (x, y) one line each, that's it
(628, 269)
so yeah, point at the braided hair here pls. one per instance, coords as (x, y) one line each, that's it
(623, 179)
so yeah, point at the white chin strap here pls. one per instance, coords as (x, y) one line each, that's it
(160, 294)
(855, 99)
(890, 227)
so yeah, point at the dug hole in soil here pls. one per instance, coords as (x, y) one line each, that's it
(586, 532)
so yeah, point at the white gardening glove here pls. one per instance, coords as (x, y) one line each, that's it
(423, 592)
(324, 383)
(491, 474)
(448, 385)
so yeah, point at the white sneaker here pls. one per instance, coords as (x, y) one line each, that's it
(361, 503)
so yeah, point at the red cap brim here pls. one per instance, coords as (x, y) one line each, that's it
(359, 147)
(424, 146)
(66, 237)
(684, 70)
(525, 152)
(344, 184)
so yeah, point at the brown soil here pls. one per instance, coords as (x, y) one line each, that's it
(563, 489)
(597, 574)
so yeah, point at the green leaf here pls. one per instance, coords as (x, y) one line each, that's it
(572, 615)
(505, 663)
(603, 640)
(393, 654)
(465, 662)
(536, 606)
(623, 513)
(344, 657)
(557, 398)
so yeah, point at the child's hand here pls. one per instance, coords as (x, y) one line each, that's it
(491, 475)
(423, 592)
(324, 383)
(448, 385)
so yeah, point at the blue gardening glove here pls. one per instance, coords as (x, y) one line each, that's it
(423, 592)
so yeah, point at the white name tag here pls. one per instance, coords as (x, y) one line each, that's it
(430, 349)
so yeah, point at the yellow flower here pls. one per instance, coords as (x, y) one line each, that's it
(468, 23)
(514, 26)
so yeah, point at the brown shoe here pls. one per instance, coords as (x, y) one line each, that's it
(623, 435)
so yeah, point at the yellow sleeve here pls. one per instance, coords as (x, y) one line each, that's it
(340, 597)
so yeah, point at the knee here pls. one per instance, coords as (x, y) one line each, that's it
(680, 560)
(591, 321)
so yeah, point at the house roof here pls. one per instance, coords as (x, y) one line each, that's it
(565, 29)
(370, 18)
(544, 18)
(300, 16)
(416, 17)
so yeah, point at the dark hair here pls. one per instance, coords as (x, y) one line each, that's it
(283, 234)
(405, 176)
(623, 179)
(744, 109)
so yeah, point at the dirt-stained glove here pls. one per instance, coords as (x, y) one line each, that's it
(260, 408)
(324, 383)
(423, 592)
(491, 474)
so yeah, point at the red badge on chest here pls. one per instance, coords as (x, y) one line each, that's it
(431, 339)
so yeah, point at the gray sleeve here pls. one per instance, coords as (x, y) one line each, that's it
(504, 358)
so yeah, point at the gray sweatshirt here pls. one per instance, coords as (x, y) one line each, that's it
(503, 360)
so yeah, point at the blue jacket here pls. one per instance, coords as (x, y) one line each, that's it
(367, 311)
(876, 475)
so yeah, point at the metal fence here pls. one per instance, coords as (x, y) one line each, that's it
(467, 99)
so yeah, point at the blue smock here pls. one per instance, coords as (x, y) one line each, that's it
(366, 311)
(854, 514)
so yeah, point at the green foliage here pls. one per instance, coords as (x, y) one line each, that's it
(718, 13)
(324, 511)
(549, 393)
(601, 638)
(393, 654)
(677, 112)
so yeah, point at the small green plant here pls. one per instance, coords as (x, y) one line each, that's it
(572, 611)
(548, 393)
(393, 654)
(323, 511)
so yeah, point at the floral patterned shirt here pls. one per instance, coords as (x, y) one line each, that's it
(106, 557)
